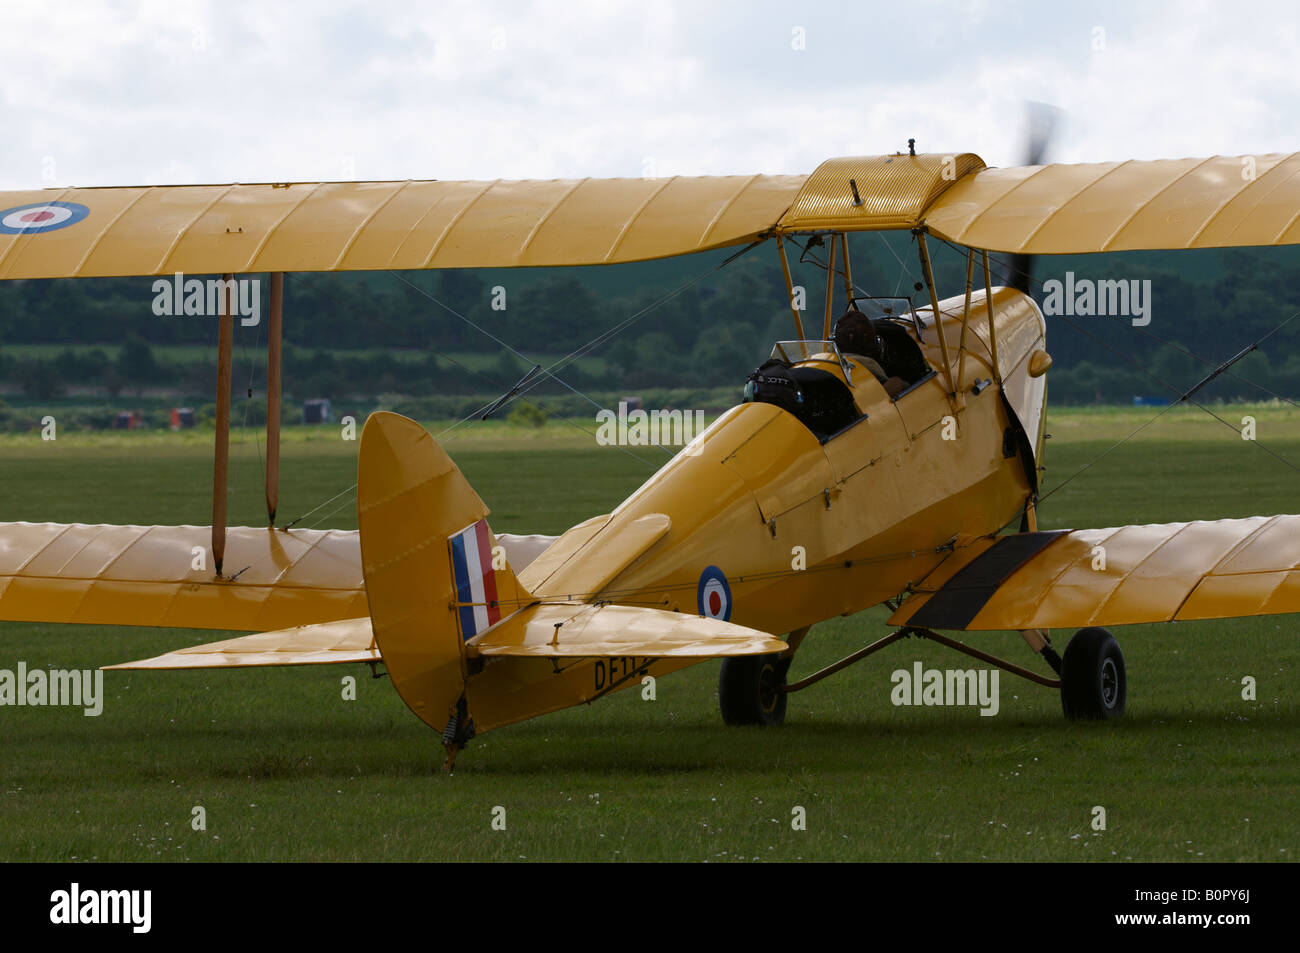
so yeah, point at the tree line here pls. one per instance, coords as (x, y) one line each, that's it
(716, 326)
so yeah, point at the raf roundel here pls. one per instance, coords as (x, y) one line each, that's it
(41, 217)
(714, 595)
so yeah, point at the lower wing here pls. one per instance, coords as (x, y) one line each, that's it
(1128, 574)
(163, 576)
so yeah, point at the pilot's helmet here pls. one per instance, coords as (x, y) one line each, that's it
(855, 334)
(773, 384)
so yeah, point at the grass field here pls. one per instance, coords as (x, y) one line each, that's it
(287, 770)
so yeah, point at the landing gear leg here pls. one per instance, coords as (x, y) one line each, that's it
(1040, 643)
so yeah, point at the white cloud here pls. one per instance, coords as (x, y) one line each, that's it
(172, 92)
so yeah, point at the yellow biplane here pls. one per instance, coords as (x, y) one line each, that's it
(895, 487)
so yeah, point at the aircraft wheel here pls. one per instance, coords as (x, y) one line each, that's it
(749, 689)
(1093, 683)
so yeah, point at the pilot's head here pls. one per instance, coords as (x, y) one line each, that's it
(855, 334)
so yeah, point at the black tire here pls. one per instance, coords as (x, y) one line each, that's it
(1093, 682)
(748, 689)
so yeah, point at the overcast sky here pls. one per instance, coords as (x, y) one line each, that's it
(162, 92)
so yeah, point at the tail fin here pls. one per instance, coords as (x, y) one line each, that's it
(434, 576)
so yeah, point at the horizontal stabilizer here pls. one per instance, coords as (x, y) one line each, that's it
(327, 643)
(576, 630)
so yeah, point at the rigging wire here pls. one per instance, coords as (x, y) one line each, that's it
(292, 523)
(480, 373)
(906, 269)
(810, 258)
(1182, 397)
(631, 319)
(482, 330)
(1209, 362)
(522, 392)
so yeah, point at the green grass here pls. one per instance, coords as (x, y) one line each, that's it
(287, 770)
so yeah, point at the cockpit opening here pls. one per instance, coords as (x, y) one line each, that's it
(818, 398)
(814, 380)
(883, 347)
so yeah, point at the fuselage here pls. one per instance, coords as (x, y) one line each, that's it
(806, 528)
(801, 526)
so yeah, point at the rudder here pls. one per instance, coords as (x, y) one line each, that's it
(425, 548)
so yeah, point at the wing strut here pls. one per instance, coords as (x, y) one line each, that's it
(273, 334)
(789, 288)
(938, 319)
(993, 333)
(221, 458)
(830, 292)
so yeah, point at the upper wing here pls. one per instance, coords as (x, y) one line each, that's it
(145, 575)
(359, 226)
(1218, 202)
(1155, 573)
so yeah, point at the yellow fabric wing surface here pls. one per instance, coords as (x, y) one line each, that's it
(1128, 574)
(543, 631)
(576, 630)
(145, 575)
(1222, 201)
(326, 643)
(891, 191)
(360, 226)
